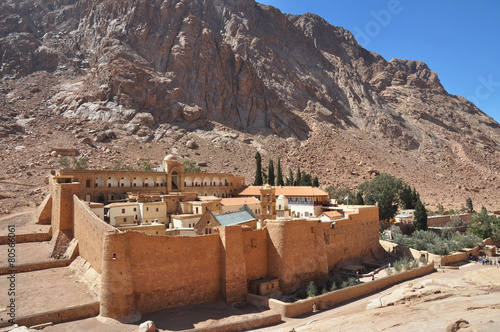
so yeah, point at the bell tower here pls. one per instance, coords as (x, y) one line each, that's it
(175, 174)
(267, 203)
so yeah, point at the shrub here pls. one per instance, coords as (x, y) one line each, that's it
(414, 264)
(333, 287)
(301, 294)
(311, 289)
(388, 271)
(398, 266)
(423, 260)
(324, 290)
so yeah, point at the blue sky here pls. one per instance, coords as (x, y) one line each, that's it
(457, 39)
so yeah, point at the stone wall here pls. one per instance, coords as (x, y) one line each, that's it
(44, 211)
(35, 266)
(58, 316)
(296, 253)
(174, 271)
(353, 237)
(89, 230)
(29, 237)
(255, 249)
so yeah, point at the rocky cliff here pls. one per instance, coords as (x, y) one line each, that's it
(233, 77)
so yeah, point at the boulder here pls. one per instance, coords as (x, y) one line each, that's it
(87, 140)
(191, 144)
(147, 326)
(456, 326)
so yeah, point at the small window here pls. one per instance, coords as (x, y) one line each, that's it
(123, 211)
(156, 209)
(135, 209)
(147, 209)
(87, 183)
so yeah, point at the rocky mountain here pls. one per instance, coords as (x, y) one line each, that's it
(229, 77)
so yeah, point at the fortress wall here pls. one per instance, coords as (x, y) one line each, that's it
(255, 249)
(354, 237)
(89, 230)
(174, 271)
(296, 253)
(44, 211)
(62, 205)
(233, 268)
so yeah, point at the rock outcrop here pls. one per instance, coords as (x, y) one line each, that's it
(158, 70)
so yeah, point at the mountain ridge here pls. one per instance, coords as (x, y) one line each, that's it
(293, 86)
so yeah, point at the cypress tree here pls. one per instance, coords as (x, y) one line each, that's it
(415, 198)
(279, 175)
(298, 177)
(468, 204)
(270, 175)
(315, 182)
(420, 217)
(258, 171)
(289, 179)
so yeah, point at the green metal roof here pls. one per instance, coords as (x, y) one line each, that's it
(234, 218)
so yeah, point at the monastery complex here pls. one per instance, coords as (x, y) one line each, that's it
(168, 238)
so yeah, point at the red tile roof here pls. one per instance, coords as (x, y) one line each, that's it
(289, 191)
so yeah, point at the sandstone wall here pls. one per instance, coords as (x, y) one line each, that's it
(354, 237)
(89, 230)
(255, 249)
(174, 271)
(62, 205)
(233, 267)
(44, 211)
(296, 253)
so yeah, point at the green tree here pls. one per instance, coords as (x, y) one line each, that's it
(298, 177)
(258, 171)
(384, 190)
(405, 198)
(306, 180)
(415, 197)
(289, 179)
(117, 165)
(468, 204)
(420, 217)
(80, 163)
(311, 289)
(64, 163)
(484, 225)
(340, 194)
(315, 181)
(270, 175)
(145, 165)
(440, 209)
(279, 174)
(190, 167)
(358, 199)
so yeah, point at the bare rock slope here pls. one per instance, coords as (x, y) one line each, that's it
(233, 77)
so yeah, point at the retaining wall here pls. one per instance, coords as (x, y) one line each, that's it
(25, 238)
(89, 230)
(35, 266)
(58, 316)
(342, 295)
